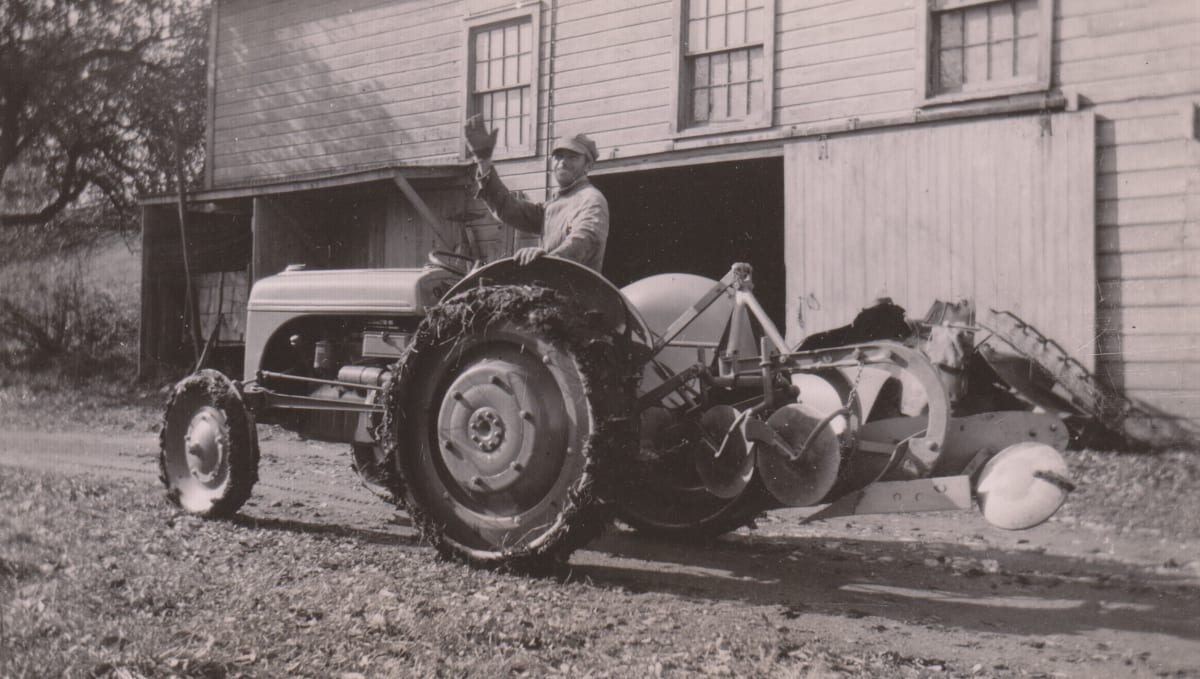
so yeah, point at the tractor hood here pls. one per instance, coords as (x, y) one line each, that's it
(353, 291)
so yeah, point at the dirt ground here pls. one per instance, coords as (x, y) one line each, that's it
(1102, 590)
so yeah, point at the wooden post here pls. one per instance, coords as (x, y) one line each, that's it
(190, 289)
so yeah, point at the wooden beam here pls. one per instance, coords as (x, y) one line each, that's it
(417, 202)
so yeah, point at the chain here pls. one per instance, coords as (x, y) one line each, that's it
(851, 416)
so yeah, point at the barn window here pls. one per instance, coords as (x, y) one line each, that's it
(726, 65)
(984, 48)
(502, 78)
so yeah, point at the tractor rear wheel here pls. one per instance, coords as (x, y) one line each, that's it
(506, 421)
(208, 447)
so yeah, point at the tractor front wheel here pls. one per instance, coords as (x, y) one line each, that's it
(208, 447)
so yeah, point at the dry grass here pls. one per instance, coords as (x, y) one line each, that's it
(98, 579)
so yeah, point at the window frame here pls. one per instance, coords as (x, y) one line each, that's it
(531, 12)
(927, 94)
(680, 128)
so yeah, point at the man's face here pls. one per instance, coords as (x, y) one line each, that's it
(569, 167)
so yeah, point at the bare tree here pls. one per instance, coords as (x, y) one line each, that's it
(97, 97)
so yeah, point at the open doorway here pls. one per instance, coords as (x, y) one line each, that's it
(699, 219)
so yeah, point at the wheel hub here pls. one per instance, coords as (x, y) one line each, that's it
(502, 438)
(206, 444)
(486, 429)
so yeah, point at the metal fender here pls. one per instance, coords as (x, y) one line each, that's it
(589, 289)
(663, 298)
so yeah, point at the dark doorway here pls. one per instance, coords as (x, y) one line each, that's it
(699, 219)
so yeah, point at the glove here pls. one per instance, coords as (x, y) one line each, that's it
(479, 139)
(526, 255)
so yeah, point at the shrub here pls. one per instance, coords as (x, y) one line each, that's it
(51, 316)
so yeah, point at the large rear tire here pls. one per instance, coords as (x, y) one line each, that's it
(208, 446)
(506, 425)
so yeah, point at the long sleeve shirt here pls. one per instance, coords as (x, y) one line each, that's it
(573, 224)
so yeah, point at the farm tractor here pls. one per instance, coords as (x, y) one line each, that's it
(512, 411)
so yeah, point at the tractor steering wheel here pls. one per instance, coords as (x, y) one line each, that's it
(457, 264)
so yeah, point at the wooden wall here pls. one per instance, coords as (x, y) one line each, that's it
(1137, 65)
(1000, 212)
(307, 86)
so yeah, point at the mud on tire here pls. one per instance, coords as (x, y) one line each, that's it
(506, 426)
(208, 447)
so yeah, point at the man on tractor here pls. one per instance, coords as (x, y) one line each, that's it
(573, 224)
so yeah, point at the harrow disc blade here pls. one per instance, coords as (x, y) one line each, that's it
(805, 480)
(723, 461)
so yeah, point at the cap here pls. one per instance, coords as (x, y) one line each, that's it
(579, 143)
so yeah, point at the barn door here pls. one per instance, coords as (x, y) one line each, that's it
(1000, 211)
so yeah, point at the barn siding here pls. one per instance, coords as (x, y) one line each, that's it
(309, 87)
(1137, 64)
(998, 211)
(306, 86)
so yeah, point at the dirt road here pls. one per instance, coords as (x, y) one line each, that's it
(1063, 599)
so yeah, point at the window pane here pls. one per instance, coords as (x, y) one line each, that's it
(497, 43)
(526, 44)
(700, 72)
(696, 36)
(1002, 60)
(1002, 21)
(512, 43)
(756, 63)
(1027, 17)
(716, 32)
(481, 79)
(700, 105)
(950, 29)
(720, 68)
(697, 9)
(975, 66)
(739, 101)
(737, 5)
(976, 25)
(950, 74)
(524, 64)
(1027, 52)
(496, 72)
(481, 45)
(739, 68)
(716, 7)
(755, 20)
(737, 28)
(721, 103)
(756, 98)
(510, 71)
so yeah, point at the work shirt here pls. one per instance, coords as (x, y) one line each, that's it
(573, 224)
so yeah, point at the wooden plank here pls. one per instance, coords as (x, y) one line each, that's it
(1158, 321)
(791, 113)
(896, 80)
(1151, 348)
(1162, 264)
(399, 69)
(1122, 293)
(1159, 60)
(791, 31)
(1183, 403)
(1151, 210)
(1154, 156)
(1171, 182)
(326, 128)
(795, 16)
(793, 53)
(1181, 376)
(1128, 239)
(829, 71)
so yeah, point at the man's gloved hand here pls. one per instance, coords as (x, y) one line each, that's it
(479, 139)
(526, 255)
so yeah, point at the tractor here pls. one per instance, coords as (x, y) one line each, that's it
(514, 411)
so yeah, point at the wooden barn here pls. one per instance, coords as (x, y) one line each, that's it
(1041, 156)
